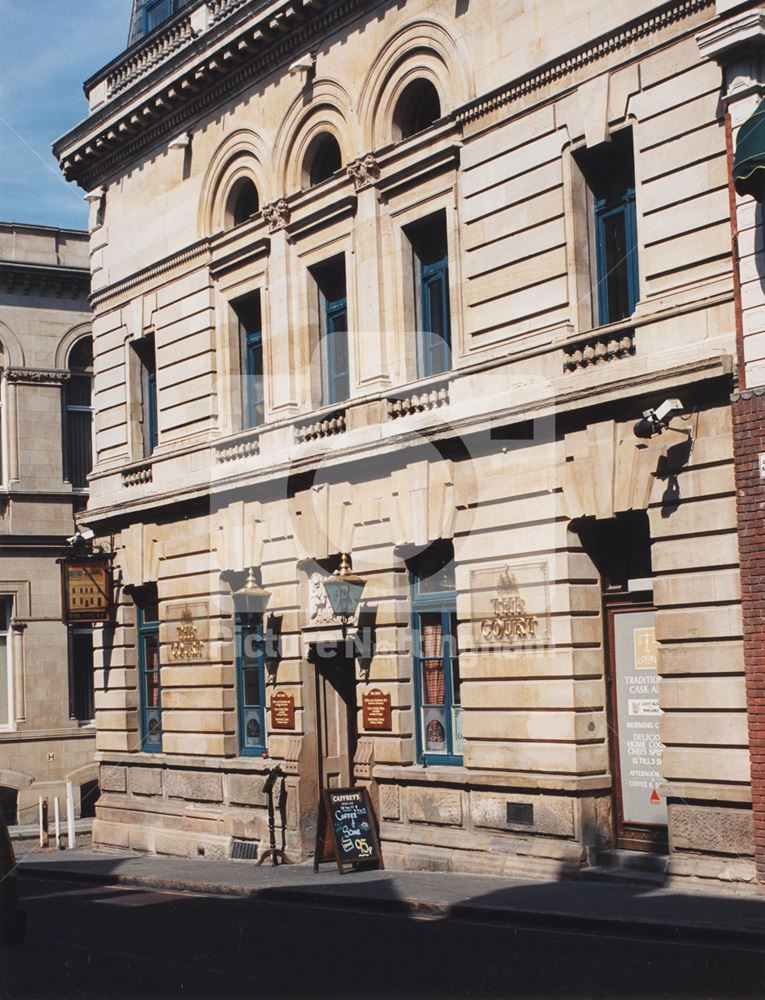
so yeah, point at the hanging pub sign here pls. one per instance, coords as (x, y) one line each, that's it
(347, 830)
(86, 589)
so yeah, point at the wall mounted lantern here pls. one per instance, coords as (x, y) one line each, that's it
(344, 589)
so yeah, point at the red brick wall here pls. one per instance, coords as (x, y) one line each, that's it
(748, 443)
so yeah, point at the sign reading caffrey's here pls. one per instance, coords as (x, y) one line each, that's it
(510, 605)
(87, 590)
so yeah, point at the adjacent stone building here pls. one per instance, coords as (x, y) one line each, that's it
(47, 732)
(396, 281)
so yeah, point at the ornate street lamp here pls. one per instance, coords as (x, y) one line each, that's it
(344, 589)
(251, 599)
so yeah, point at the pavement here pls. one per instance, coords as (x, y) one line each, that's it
(632, 910)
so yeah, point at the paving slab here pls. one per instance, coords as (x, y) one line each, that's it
(646, 911)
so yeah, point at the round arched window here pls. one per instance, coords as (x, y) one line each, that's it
(243, 202)
(417, 108)
(78, 429)
(322, 160)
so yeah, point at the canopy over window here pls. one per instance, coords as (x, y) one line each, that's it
(749, 161)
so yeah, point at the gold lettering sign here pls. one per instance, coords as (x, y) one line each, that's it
(510, 619)
(188, 645)
(377, 710)
(86, 590)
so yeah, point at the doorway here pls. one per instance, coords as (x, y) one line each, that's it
(620, 549)
(640, 809)
(336, 711)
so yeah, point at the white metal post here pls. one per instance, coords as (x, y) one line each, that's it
(57, 821)
(69, 815)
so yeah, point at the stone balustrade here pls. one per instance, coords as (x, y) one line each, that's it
(137, 475)
(245, 446)
(418, 401)
(157, 50)
(329, 426)
(597, 349)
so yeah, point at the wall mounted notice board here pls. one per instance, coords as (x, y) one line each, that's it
(347, 831)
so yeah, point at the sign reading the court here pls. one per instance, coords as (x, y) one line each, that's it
(87, 590)
(510, 605)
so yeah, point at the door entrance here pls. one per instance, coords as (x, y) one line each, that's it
(640, 809)
(336, 709)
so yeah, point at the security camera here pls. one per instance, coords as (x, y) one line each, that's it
(86, 535)
(305, 64)
(656, 421)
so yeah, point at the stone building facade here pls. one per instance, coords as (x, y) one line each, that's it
(47, 731)
(396, 281)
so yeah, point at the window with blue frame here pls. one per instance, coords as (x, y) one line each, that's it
(609, 170)
(333, 330)
(431, 281)
(149, 679)
(436, 656)
(251, 682)
(249, 314)
(145, 349)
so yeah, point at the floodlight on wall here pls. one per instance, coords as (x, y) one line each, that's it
(251, 598)
(344, 589)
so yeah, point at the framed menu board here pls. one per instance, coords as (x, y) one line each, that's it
(347, 831)
(87, 590)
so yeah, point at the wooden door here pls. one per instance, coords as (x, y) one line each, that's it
(640, 808)
(336, 723)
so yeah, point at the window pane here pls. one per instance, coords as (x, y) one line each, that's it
(253, 729)
(251, 687)
(4, 680)
(79, 447)
(614, 235)
(78, 390)
(431, 664)
(151, 667)
(434, 730)
(81, 646)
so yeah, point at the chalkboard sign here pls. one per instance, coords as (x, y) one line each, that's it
(347, 830)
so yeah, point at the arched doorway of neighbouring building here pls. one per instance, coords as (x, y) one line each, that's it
(9, 805)
(619, 549)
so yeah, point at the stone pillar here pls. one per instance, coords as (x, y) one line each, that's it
(737, 42)
(10, 401)
(371, 366)
(284, 366)
(17, 653)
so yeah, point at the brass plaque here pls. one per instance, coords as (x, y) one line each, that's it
(87, 588)
(282, 711)
(377, 710)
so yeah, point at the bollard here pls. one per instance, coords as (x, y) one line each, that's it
(44, 834)
(70, 837)
(57, 822)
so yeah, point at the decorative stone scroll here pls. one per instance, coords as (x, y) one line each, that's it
(511, 606)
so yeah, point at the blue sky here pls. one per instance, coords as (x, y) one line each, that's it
(48, 48)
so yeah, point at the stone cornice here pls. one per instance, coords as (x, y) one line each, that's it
(745, 31)
(36, 376)
(592, 51)
(197, 252)
(125, 128)
(44, 279)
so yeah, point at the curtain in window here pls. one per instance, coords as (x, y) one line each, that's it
(433, 664)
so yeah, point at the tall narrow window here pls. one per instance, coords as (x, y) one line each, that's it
(6, 678)
(609, 172)
(333, 330)
(149, 679)
(145, 349)
(250, 670)
(431, 284)
(81, 705)
(436, 656)
(78, 428)
(248, 313)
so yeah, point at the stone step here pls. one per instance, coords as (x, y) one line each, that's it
(640, 861)
(622, 876)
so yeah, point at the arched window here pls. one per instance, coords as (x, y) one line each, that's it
(322, 159)
(243, 202)
(417, 108)
(78, 429)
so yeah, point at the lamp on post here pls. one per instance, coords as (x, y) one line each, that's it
(251, 598)
(344, 589)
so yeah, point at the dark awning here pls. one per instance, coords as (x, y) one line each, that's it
(749, 161)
